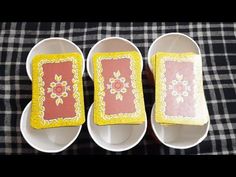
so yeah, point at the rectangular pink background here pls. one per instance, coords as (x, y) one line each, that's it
(113, 106)
(52, 111)
(185, 108)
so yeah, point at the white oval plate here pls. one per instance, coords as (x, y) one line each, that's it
(179, 136)
(50, 140)
(53, 45)
(110, 44)
(113, 137)
(176, 136)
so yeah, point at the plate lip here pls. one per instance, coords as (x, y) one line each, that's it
(26, 109)
(45, 40)
(89, 57)
(90, 118)
(168, 34)
(173, 146)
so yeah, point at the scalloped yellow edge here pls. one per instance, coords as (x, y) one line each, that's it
(160, 117)
(100, 118)
(153, 60)
(36, 120)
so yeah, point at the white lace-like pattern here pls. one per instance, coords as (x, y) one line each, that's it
(180, 88)
(179, 80)
(58, 89)
(76, 94)
(117, 85)
(133, 85)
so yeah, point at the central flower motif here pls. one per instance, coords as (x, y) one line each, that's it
(117, 85)
(179, 87)
(58, 89)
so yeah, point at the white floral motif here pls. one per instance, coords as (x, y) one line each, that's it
(117, 85)
(58, 89)
(179, 87)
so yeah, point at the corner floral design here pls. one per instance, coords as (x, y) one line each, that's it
(117, 85)
(58, 89)
(180, 88)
